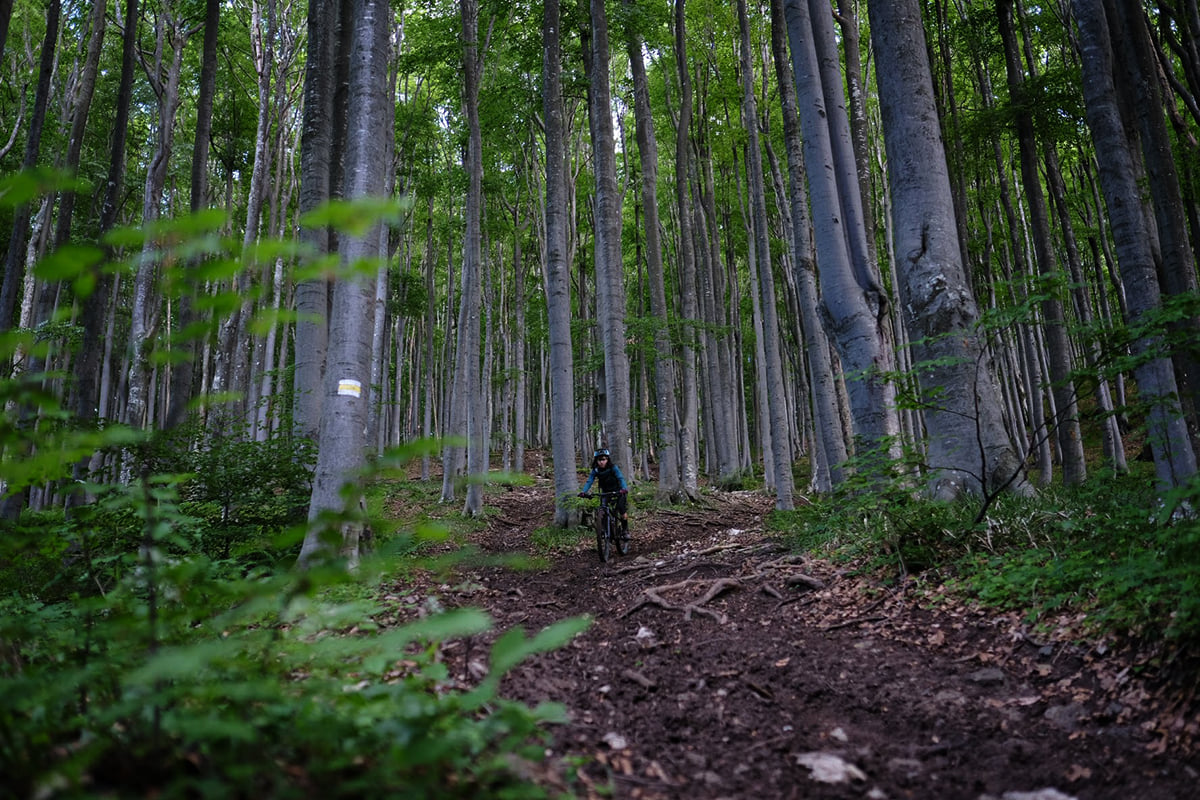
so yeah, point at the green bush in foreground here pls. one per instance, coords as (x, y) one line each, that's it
(161, 670)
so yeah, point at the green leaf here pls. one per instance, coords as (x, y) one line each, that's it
(68, 262)
(512, 648)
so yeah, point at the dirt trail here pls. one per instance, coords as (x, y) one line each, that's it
(721, 666)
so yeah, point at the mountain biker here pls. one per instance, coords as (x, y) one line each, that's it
(611, 480)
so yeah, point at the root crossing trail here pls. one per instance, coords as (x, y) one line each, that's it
(720, 665)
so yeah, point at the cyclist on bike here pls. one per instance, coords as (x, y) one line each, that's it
(611, 480)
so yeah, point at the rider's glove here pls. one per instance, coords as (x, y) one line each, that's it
(583, 494)
(624, 491)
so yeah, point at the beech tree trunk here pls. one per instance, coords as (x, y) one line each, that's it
(829, 450)
(1174, 458)
(557, 277)
(323, 117)
(689, 422)
(165, 73)
(776, 396)
(1058, 346)
(968, 448)
(342, 448)
(610, 272)
(183, 372)
(670, 488)
(852, 300)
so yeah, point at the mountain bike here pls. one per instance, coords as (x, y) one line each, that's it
(610, 528)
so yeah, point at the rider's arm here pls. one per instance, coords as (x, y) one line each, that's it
(591, 477)
(620, 478)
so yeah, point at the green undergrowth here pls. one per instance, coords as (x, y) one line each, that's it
(159, 642)
(1110, 552)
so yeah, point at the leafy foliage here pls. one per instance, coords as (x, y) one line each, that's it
(154, 640)
(1092, 550)
(167, 670)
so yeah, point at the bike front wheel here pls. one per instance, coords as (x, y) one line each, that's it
(603, 539)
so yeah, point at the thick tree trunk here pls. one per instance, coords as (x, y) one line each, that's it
(968, 447)
(853, 302)
(1174, 458)
(1139, 81)
(343, 446)
(322, 118)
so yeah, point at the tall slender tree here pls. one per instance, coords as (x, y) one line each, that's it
(776, 398)
(829, 451)
(1174, 458)
(1059, 358)
(15, 258)
(183, 373)
(667, 447)
(557, 276)
(850, 295)
(690, 416)
(610, 272)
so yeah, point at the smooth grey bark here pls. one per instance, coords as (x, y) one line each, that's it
(670, 488)
(829, 452)
(557, 273)
(968, 448)
(1029, 366)
(690, 417)
(610, 272)
(1110, 430)
(342, 449)
(321, 119)
(773, 361)
(1174, 458)
(231, 371)
(1139, 81)
(183, 373)
(427, 429)
(852, 301)
(721, 399)
(468, 378)
(164, 73)
(1058, 345)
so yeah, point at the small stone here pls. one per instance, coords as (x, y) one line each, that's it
(988, 676)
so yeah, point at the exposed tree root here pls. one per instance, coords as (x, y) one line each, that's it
(653, 596)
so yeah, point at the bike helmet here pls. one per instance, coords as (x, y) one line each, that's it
(603, 451)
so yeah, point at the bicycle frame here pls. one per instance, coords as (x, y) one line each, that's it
(606, 527)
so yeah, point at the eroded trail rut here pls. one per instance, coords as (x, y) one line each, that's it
(721, 666)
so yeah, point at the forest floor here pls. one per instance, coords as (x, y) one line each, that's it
(720, 665)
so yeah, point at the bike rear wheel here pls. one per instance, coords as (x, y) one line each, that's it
(603, 537)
